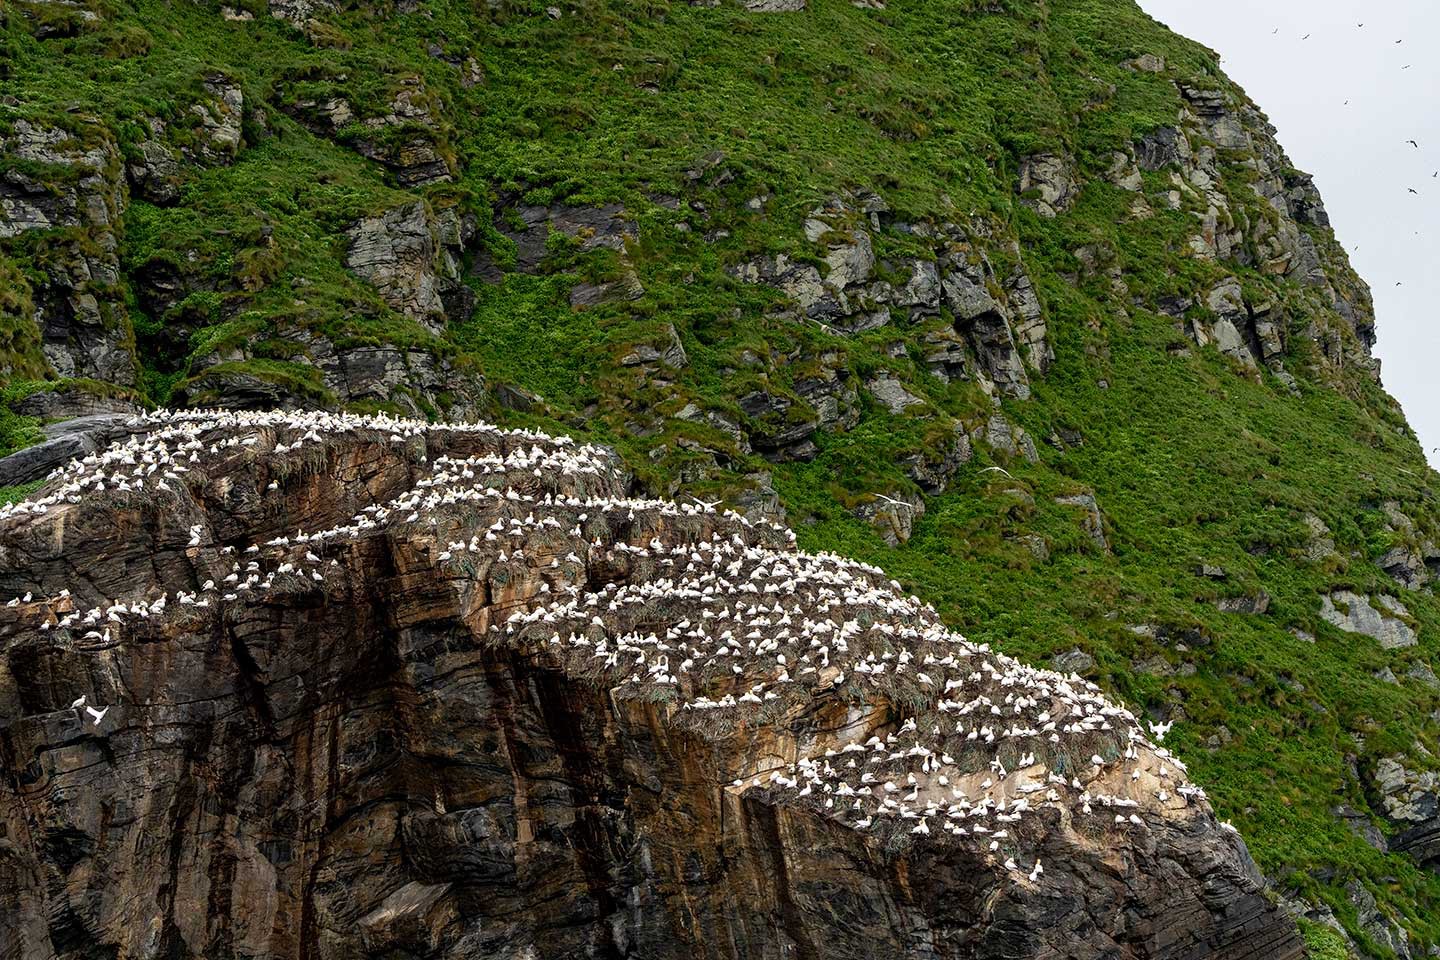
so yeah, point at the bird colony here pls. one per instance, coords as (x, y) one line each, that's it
(854, 701)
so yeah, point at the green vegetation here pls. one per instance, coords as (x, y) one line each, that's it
(932, 105)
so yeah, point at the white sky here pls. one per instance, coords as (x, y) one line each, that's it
(1358, 153)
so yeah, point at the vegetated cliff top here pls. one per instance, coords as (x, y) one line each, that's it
(1020, 301)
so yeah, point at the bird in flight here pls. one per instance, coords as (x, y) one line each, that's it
(1413, 190)
(1413, 144)
(1306, 37)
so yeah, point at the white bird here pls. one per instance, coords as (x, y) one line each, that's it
(79, 702)
(97, 715)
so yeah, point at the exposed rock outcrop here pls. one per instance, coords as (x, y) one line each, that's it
(66, 187)
(998, 336)
(382, 689)
(413, 255)
(1410, 799)
(1048, 184)
(1215, 132)
(410, 137)
(209, 134)
(1354, 613)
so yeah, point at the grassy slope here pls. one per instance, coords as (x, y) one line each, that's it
(931, 104)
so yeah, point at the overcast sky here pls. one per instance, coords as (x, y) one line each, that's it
(1357, 151)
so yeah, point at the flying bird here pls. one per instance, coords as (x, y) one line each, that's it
(97, 715)
(1413, 144)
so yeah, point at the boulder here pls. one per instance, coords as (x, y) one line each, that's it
(893, 515)
(1254, 604)
(1073, 661)
(1008, 440)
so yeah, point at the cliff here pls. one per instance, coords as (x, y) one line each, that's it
(311, 686)
(1020, 301)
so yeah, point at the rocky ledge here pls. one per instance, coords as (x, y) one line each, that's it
(284, 685)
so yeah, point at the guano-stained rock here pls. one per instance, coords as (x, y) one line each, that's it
(375, 688)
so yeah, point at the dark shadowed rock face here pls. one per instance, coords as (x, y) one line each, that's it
(377, 689)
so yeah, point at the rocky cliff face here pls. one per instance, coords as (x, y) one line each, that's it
(313, 686)
(1020, 301)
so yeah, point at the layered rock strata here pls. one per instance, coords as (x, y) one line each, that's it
(308, 685)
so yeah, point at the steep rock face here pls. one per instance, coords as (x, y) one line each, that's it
(997, 333)
(62, 192)
(1218, 136)
(412, 256)
(370, 688)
